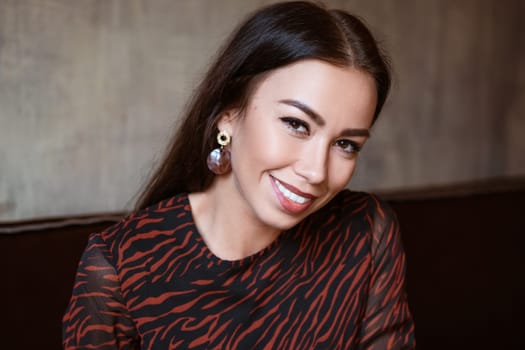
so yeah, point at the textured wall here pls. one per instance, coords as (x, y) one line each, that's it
(90, 91)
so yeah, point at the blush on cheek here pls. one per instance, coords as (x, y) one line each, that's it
(269, 148)
(340, 176)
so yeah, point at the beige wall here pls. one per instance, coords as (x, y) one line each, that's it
(90, 91)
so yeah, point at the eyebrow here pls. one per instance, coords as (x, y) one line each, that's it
(316, 117)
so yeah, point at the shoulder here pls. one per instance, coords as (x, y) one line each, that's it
(377, 218)
(347, 229)
(144, 226)
(352, 205)
(363, 213)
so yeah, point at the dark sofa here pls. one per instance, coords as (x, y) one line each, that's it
(465, 279)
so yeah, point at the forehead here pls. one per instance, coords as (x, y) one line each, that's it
(328, 89)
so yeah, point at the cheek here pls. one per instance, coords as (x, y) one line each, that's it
(340, 173)
(261, 146)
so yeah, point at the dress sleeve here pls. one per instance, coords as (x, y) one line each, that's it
(387, 323)
(97, 317)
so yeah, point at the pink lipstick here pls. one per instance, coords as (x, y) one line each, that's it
(291, 198)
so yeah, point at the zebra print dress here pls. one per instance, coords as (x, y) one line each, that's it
(335, 281)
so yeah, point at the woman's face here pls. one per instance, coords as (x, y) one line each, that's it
(296, 145)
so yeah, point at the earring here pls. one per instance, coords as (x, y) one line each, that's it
(219, 158)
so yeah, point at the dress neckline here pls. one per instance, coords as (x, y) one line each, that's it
(214, 260)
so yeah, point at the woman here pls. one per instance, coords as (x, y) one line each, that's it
(245, 237)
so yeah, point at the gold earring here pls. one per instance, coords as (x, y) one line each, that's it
(223, 138)
(219, 158)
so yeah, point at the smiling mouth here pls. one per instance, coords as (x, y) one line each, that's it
(294, 197)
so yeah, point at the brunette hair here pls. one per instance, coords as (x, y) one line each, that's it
(272, 37)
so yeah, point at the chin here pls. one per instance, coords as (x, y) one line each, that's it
(281, 220)
(284, 222)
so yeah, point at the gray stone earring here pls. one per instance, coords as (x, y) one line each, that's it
(219, 158)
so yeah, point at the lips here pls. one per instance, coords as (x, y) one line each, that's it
(291, 199)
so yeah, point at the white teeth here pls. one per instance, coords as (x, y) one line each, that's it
(290, 195)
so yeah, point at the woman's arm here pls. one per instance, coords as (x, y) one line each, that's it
(387, 323)
(97, 317)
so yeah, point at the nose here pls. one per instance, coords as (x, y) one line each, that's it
(312, 163)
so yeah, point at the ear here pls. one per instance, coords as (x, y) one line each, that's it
(228, 120)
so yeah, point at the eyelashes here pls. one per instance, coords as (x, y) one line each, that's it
(296, 125)
(301, 128)
(348, 146)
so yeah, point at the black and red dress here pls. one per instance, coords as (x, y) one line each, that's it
(334, 281)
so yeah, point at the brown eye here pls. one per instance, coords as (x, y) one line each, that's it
(297, 126)
(348, 146)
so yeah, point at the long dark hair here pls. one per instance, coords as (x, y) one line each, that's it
(272, 37)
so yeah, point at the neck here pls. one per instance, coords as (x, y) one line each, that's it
(227, 224)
